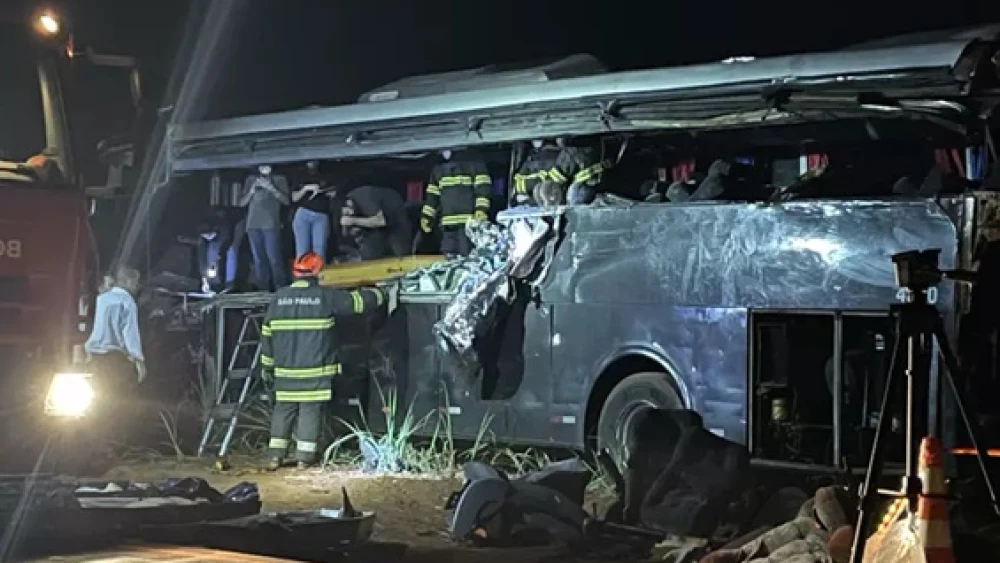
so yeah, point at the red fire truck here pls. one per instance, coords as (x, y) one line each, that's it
(48, 253)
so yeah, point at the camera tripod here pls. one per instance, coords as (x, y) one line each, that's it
(919, 324)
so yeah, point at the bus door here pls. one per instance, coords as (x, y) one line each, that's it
(506, 393)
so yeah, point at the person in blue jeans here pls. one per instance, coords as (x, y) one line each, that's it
(218, 251)
(264, 196)
(311, 222)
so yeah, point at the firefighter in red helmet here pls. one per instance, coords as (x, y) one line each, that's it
(299, 350)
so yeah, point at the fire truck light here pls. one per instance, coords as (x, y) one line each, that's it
(70, 395)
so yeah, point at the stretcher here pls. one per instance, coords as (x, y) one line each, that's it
(371, 272)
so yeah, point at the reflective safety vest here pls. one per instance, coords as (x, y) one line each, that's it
(299, 341)
(459, 190)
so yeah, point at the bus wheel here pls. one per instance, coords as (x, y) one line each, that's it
(633, 395)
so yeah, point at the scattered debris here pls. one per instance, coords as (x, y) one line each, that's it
(822, 533)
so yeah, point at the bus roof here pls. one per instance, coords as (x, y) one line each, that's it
(545, 104)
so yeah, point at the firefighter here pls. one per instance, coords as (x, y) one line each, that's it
(299, 351)
(578, 171)
(459, 190)
(535, 169)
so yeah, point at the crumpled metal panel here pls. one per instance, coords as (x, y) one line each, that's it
(812, 255)
(501, 255)
(676, 282)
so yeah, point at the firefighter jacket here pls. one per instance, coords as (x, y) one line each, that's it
(577, 165)
(459, 190)
(299, 340)
(537, 168)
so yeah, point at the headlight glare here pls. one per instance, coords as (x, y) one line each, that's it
(70, 395)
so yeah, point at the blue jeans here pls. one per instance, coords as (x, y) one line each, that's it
(213, 251)
(268, 263)
(311, 231)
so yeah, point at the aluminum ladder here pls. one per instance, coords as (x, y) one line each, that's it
(236, 385)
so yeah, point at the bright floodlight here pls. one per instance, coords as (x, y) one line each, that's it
(48, 24)
(70, 395)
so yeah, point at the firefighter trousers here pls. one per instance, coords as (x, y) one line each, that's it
(307, 427)
(454, 241)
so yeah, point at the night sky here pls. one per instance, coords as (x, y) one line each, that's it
(285, 54)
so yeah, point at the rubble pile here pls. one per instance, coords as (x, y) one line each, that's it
(821, 533)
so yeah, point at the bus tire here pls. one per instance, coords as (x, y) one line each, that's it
(634, 394)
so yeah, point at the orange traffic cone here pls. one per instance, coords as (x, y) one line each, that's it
(933, 528)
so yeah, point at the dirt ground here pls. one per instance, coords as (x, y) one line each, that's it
(409, 509)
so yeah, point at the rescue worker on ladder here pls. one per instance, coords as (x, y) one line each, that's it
(299, 345)
(459, 190)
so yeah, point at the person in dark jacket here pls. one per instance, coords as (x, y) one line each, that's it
(535, 169)
(578, 171)
(458, 191)
(299, 351)
(377, 220)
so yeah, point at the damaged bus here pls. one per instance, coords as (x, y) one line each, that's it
(763, 304)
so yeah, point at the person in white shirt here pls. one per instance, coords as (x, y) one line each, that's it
(115, 345)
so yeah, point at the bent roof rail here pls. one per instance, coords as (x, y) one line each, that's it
(571, 106)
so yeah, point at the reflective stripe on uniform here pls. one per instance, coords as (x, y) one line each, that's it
(299, 283)
(458, 219)
(433, 189)
(306, 447)
(306, 373)
(277, 443)
(378, 297)
(357, 302)
(301, 324)
(588, 173)
(482, 179)
(453, 181)
(266, 361)
(521, 180)
(482, 202)
(265, 329)
(428, 211)
(557, 175)
(303, 396)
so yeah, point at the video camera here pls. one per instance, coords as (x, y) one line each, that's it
(917, 270)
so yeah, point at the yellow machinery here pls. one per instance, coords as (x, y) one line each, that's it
(355, 274)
